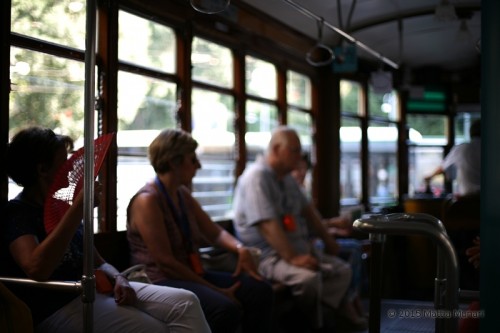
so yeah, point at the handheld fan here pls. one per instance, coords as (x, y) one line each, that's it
(68, 182)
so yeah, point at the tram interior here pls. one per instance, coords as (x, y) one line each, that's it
(379, 92)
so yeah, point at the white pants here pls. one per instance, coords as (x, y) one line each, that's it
(312, 289)
(158, 309)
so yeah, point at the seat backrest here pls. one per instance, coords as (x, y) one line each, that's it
(462, 214)
(114, 248)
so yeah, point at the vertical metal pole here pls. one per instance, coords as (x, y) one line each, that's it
(88, 278)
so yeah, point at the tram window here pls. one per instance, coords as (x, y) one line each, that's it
(431, 127)
(463, 121)
(421, 162)
(61, 22)
(383, 105)
(213, 128)
(350, 97)
(261, 78)
(46, 91)
(145, 106)
(428, 137)
(146, 43)
(212, 63)
(350, 162)
(261, 119)
(298, 90)
(382, 171)
(302, 123)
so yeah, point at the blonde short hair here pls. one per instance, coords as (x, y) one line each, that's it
(169, 147)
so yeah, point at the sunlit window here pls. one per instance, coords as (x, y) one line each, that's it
(146, 43)
(427, 138)
(261, 78)
(61, 22)
(211, 63)
(350, 162)
(145, 107)
(350, 143)
(383, 105)
(46, 91)
(261, 119)
(463, 121)
(382, 171)
(212, 122)
(213, 128)
(302, 123)
(350, 95)
(298, 90)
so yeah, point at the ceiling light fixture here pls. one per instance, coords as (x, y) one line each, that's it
(445, 11)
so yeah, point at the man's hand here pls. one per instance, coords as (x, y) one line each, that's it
(305, 261)
(246, 263)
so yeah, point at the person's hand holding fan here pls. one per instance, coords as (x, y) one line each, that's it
(68, 181)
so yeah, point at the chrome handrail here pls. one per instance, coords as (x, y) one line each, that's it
(447, 270)
(75, 286)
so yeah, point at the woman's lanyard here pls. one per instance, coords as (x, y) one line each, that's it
(180, 217)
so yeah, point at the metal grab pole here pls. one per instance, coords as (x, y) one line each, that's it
(406, 224)
(88, 278)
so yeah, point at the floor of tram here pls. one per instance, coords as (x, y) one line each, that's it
(406, 316)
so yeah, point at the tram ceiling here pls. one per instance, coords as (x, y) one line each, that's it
(407, 33)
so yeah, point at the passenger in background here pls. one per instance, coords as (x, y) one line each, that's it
(165, 227)
(272, 213)
(465, 161)
(341, 227)
(33, 158)
(337, 225)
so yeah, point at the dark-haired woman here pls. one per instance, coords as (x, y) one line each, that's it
(34, 156)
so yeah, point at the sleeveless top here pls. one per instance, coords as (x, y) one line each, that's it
(138, 249)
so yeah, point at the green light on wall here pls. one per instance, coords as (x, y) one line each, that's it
(429, 106)
(434, 96)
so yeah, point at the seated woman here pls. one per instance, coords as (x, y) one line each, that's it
(33, 158)
(165, 227)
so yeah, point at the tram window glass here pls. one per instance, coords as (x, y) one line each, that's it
(261, 119)
(212, 63)
(422, 161)
(427, 138)
(302, 123)
(463, 121)
(261, 78)
(382, 171)
(383, 105)
(350, 162)
(47, 91)
(430, 129)
(298, 90)
(146, 43)
(145, 106)
(213, 128)
(350, 97)
(61, 22)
